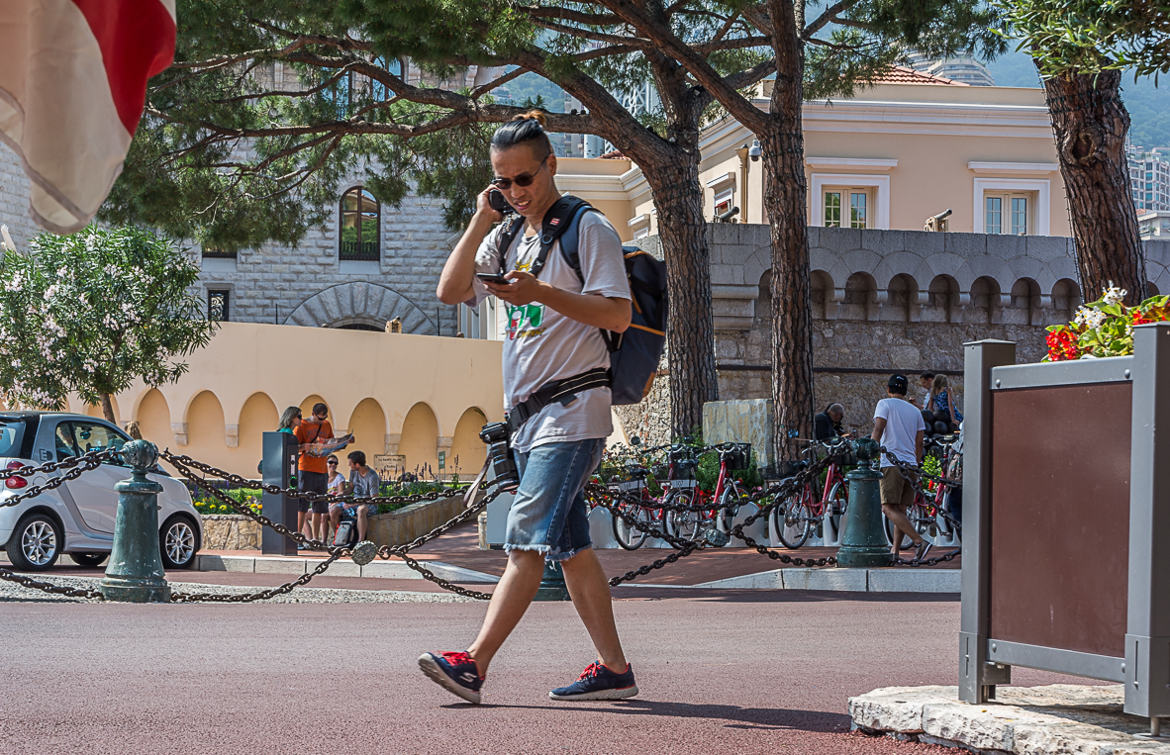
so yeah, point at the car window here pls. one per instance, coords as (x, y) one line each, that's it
(80, 437)
(11, 433)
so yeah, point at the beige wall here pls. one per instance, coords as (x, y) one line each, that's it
(933, 146)
(399, 394)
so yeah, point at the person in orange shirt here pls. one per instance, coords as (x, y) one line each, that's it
(313, 472)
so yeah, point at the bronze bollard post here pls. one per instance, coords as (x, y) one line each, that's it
(135, 572)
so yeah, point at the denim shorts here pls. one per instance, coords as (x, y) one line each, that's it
(549, 514)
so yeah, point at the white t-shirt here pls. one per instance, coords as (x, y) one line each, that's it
(903, 423)
(542, 345)
(335, 484)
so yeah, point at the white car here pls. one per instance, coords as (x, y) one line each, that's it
(78, 517)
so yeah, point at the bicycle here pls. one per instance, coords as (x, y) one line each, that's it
(794, 518)
(645, 510)
(725, 500)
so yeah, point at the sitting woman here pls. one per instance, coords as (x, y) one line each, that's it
(943, 405)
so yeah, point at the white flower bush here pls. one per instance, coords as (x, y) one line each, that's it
(89, 313)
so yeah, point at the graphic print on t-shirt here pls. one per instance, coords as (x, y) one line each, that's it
(524, 321)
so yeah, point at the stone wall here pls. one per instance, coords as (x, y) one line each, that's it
(883, 302)
(230, 532)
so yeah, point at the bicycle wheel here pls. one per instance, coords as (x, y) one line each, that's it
(729, 502)
(684, 524)
(793, 521)
(628, 537)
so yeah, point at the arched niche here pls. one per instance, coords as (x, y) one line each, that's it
(820, 293)
(985, 299)
(154, 418)
(942, 300)
(467, 450)
(367, 422)
(420, 439)
(860, 301)
(902, 298)
(1066, 297)
(257, 416)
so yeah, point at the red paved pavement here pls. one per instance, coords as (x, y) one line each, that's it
(746, 672)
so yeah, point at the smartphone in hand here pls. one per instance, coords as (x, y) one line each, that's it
(498, 202)
(494, 278)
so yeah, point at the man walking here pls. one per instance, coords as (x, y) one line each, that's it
(898, 427)
(553, 348)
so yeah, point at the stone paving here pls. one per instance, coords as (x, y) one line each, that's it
(1071, 719)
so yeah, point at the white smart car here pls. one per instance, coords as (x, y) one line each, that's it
(78, 517)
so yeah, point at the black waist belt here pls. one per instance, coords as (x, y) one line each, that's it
(557, 390)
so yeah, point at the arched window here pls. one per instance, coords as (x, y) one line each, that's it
(360, 223)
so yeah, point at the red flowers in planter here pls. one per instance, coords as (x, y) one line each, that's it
(1104, 328)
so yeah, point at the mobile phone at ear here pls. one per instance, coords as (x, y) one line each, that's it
(498, 203)
(493, 278)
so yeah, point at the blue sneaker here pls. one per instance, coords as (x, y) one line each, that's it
(454, 672)
(597, 682)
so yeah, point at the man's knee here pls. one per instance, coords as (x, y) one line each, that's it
(526, 559)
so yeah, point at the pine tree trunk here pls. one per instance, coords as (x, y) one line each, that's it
(108, 408)
(1090, 123)
(690, 334)
(782, 144)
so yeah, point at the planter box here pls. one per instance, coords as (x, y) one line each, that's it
(407, 523)
(1066, 536)
(237, 532)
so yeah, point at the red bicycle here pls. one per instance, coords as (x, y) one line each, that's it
(928, 514)
(724, 502)
(795, 516)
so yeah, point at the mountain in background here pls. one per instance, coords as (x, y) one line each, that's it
(1148, 106)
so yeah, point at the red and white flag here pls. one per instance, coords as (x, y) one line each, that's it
(72, 85)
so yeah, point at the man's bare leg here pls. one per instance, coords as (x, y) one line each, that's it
(510, 600)
(901, 523)
(594, 603)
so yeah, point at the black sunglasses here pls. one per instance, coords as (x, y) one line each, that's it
(524, 179)
(331, 463)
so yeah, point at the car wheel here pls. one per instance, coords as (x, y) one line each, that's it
(178, 542)
(88, 559)
(35, 543)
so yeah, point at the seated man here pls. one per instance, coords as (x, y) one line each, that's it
(363, 483)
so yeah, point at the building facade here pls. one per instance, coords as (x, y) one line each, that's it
(1149, 177)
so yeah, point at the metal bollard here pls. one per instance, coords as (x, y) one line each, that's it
(863, 543)
(552, 583)
(135, 573)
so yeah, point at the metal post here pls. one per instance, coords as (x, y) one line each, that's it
(1147, 634)
(552, 583)
(280, 453)
(135, 572)
(977, 675)
(862, 541)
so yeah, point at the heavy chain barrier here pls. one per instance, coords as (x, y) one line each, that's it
(915, 475)
(287, 587)
(77, 466)
(240, 481)
(385, 552)
(35, 584)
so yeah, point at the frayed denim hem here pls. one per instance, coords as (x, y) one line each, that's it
(546, 550)
(566, 555)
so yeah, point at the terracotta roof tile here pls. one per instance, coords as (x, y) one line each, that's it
(903, 75)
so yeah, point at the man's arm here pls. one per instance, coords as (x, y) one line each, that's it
(459, 270)
(879, 427)
(918, 446)
(591, 309)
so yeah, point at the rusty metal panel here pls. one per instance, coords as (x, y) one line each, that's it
(1060, 466)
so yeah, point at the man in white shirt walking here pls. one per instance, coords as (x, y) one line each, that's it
(898, 427)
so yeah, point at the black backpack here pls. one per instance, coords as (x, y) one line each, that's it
(633, 355)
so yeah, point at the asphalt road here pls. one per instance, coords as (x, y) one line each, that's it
(738, 672)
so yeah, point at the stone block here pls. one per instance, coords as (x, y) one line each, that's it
(342, 568)
(272, 565)
(839, 580)
(744, 421)
(768, 580)
(915, 580)
(895, 708)
(209, 562)
(389, 570)
(965, 244)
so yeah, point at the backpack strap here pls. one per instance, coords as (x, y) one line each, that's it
(504, 243)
